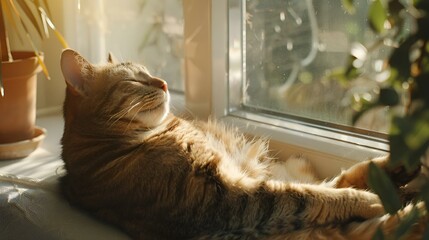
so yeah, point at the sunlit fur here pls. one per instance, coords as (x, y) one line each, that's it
(156, 176)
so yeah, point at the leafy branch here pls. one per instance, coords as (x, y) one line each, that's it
(402, 26)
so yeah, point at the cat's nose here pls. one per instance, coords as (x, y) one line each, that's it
(159, 83)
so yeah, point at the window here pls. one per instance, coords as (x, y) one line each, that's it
(148, 32)
(290, 49)
(281, 56)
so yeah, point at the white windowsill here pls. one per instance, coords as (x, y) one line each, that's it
(328, 156)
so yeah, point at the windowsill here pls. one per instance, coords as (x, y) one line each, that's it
(45, 161)
(30, 196)
(328, 156)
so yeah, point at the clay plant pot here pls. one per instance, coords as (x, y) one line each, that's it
(18, 106)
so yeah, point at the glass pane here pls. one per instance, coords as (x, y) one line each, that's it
(148, 32)
(290, 50)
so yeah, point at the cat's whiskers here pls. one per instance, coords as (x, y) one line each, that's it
(116, 117)
(134, 116)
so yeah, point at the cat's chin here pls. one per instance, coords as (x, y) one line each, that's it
(154, 117)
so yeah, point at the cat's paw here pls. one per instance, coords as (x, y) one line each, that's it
(369, 206)
(399, 175)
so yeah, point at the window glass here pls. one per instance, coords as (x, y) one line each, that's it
(289, 52)
(148, 32)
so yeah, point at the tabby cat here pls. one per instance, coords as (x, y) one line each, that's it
(132, 163)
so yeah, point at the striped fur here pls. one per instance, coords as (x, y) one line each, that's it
(156, 176)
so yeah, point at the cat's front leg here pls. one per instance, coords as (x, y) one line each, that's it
(319, 205)
(357, 175)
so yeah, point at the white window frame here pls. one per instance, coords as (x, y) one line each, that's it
(329, 154)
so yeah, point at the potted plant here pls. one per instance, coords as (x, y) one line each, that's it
(24, 19)
(402, 26)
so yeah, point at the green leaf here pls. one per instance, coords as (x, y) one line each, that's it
(422, 85)
(419, 133)
(395, 9)
(362, 107)
(406, 223)
(337, 74)
(349, 6)
(400, 59)
(399, 151)
(421, 4)
(378, 235)
(377, 16)
(380, 183)
(422, 24)
(426, 233)
(388, 97)
(409, 139)
(351, 71)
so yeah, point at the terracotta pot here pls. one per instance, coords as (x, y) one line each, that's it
(18, 106)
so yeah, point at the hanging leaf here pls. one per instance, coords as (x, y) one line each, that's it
(378, 235)
(377, 16)
(399, 129)
(421, 84)
(421, 4)
(9, 15)
(52, 26)
(422, 24)
(419, 132)
(388, 97)
(395, 9)
(426, 233)
(48, 9)
(400, 59)
(31, 17)
(30, 40)
(41, 18)
(349, 6)
(42, 65)
(361, 108)
(409, 139)
(45, 25)
(380, 183)
(406, 223)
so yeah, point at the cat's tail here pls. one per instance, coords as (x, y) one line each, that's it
(388, 224)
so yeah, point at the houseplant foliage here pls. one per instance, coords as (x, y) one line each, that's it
(26, 20)
(403, 26)
(24, 17)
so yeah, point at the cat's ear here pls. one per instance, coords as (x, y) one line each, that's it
(73, 65)
(111, 58)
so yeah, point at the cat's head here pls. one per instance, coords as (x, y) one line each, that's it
(115, 93)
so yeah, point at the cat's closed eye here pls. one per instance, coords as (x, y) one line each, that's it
(153, 82)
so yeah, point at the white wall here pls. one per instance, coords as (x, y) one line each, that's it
(51, 92)
(96, 27)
